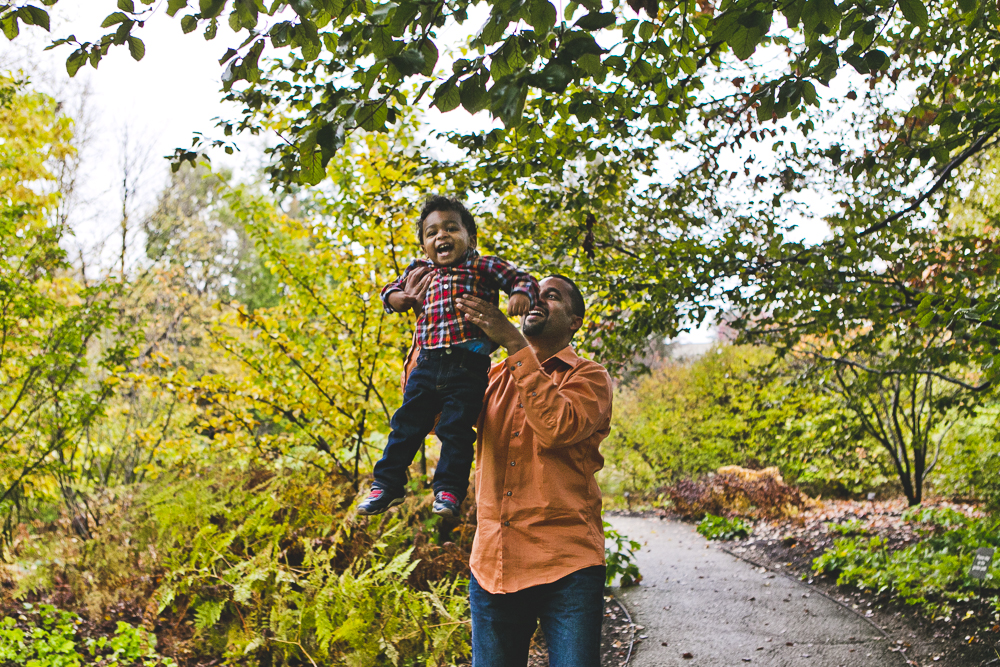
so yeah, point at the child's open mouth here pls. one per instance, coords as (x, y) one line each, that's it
(445, 248)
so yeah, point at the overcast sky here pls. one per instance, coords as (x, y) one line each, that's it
(157, 104)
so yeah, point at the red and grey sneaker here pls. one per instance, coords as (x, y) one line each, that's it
(377, 502)
(446, 503)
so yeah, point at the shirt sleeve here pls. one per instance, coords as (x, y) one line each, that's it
(397, 285)
(511, 279)
(561, 415)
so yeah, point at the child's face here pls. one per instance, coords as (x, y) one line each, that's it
(445, 238)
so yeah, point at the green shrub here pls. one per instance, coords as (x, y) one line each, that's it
(273, 568)
(620, 557)
(931, 574)
(848, 528)
(720, 528)
(735, 405)
(969, 464)
(43, 636)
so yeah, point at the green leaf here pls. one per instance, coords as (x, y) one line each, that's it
(189, 23)
(122, 34)
(211, 8)
(10, 27)
(208, 613)
(34, 16)
(508, 101)
(381, 12)
(281, 34)
(542, 17)
(578, 44)
(112, 19)
(914, 11)
(809, 93)
(473, 93)
(591, 64)
(307, 37)
(372, 116)
(382, 43)
(174, 6)
(408, 62)
(136, 48)
(430, 53)
(447, 97)
(402, 18)
(554, 77)
(126, 6)
(596, 21)
(493, 30)
(75, 61)
(310, 160)
(876, 60)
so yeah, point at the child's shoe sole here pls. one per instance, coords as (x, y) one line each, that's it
(366, 511)
(445, 509)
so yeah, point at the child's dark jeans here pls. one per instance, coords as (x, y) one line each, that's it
(449, 381)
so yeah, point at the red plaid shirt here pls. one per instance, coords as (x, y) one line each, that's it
(441, 324)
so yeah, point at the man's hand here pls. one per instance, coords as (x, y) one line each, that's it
(492, 321)
(414, 291)
(518, 304)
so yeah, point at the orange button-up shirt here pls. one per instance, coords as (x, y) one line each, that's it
(539, 506)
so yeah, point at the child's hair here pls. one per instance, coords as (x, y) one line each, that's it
(442, 203)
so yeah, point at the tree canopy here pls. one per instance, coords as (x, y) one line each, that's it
(664, 147)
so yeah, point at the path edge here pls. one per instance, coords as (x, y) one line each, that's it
(631, 623)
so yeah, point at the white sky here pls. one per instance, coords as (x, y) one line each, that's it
(158, 103)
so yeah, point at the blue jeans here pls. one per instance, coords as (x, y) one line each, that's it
(446, 381)
(571, 610)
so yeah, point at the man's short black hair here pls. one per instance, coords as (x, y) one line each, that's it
(443, 203)
(575, 295)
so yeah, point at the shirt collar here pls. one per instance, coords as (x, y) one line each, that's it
(567, 356)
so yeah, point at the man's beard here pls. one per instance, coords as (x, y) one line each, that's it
(534, 327)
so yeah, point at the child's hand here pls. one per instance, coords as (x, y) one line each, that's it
(518, 304)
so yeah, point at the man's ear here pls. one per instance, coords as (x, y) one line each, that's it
(575, 324)
(473, 242)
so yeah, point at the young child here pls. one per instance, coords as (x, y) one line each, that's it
(451, 373)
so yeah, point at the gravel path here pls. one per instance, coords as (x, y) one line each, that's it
(699, 606)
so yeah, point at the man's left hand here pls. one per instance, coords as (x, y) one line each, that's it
(492, 321)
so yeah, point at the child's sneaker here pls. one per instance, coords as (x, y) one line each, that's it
(377, 502)
(446, 503)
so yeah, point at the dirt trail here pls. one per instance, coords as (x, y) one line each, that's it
(700, 606)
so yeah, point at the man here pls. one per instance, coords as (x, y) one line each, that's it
(539, 546)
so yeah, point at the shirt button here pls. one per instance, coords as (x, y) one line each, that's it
(508, 493)
(512, 463)
(506, 523)
(534, 393)
(517, 433)
(519, 405)
(519, 363)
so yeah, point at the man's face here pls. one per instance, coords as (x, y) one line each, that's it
(552, 315)
(445, 238)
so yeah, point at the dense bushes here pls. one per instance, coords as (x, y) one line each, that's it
(932, 574)
(735, 405)
(970, 459)
(732, 494)
(268, 568)
(43, 636)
